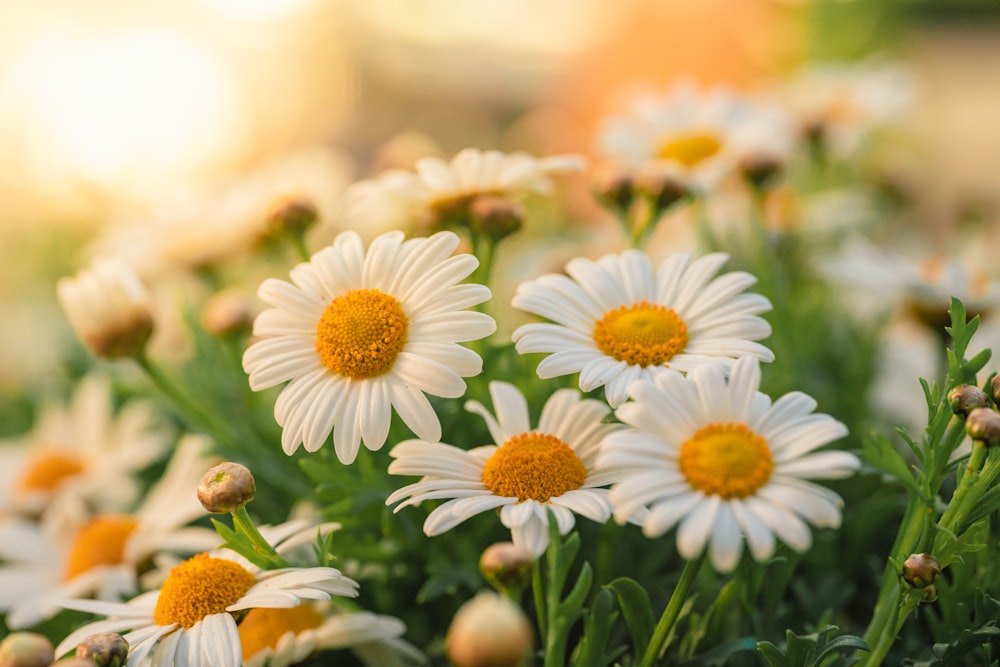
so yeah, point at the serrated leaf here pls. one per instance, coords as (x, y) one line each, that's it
(635, 605)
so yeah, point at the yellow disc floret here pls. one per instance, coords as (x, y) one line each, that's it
(198, 587)
(690, 149)
(101, 541)
(47, 470)
(727, 460)
(533, 466)
(263, 627)
(642, 334)
(361, 333)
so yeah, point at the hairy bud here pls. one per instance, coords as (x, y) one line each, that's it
(226, 488)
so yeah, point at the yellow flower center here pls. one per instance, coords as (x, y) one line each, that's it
(690, 149)
(361, 333)
(47, 469)
(533, 466)
(263, 627)
(642, 334)
(198, 587)
(101, 541)
(727, 460)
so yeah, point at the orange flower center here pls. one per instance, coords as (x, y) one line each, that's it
(47, 469)
(727, 460)
(642, 334)
(101, 541)
(199, 587)
(534, 466)
(263, 627)
(361, 333)
(690, 149)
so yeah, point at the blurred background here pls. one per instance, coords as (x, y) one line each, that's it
(114, 109)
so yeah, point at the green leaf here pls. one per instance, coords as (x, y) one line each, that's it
(775, 656)
(880, 453)
(592, 649)
(634, 602)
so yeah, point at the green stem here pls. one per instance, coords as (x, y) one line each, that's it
(885, 640)
(298, 241)
(538, 591)
(243, 524)
(672, 611)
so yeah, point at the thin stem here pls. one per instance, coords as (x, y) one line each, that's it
(672, 611)
(538, 591)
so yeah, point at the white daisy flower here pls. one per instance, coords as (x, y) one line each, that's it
(108, 307)
(281, 637)
(356, 334)
(103, 554)
(725, 463)
(81, 452)
(190, 619)
(442, 190)
(616, 321)
(696, 136)
(551, 467)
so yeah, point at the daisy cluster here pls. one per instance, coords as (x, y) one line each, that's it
(440, 358)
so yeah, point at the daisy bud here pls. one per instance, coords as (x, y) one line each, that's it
(930, 593)
(291, 216)
(966, 397)
(995, 388)
(228, 313)
(615, 188)
(226, 488)
(107, 649)
(495, 217)
(108, 307)
(760, 170)
(488, 631)
(506, 566)
(25, 649)
(983, 424)
(662, 188)
(920, 570)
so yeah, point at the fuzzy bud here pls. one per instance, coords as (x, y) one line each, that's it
(995, 388)
(291, 216)
(506, 566)
(662, 188)
(966, 397)
(226, 488)
(495, 217)
(983, 424)
(228, 313)
(615, 188)
(489, 631)
(107, 649)
(920, 570)
(25, 649)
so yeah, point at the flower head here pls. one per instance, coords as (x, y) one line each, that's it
(108, 307)
(696, 136)
(529, 471)
(616, 321)
(440, 193)
(193, 612)
(357, 334)
(725, 463)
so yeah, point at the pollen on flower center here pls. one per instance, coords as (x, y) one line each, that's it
(691, 148)
(361, 333)
(198, 587)
(101, 541)
(47, 470)
(642, 334)
(533, 466)
(727, 460)
(263, 627)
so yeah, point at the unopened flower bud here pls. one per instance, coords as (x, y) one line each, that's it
(226, 488)
(920, 570)
(506, 566)
(965, 397)
(108, 307)
(662, 188)
(489, 631)
(930, 593)
(761, 170)
(983, 424)
(995, 388)
(615, 188)
(495, 217)
(228, 313)
(107, 649)
(25, 649)
(291, 216)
